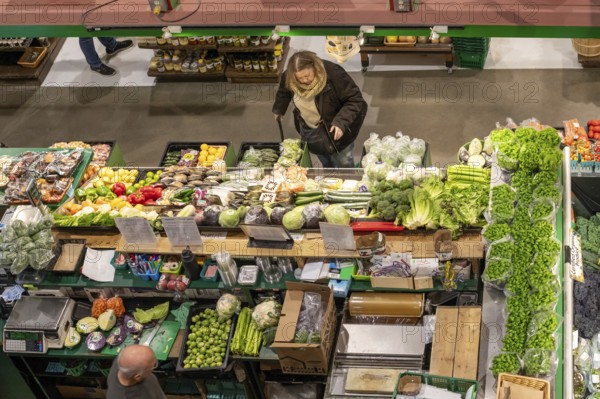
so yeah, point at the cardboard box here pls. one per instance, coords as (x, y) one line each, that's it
(423, 282)
(296, 358)
(393, 282)
(70, 392)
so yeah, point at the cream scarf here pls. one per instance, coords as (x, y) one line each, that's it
(311, 90)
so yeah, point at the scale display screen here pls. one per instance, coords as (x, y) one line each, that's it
(24, 341)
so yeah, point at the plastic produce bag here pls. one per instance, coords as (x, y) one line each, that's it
(497, 272)
(501, 250)
(418, 147)
(495, 232)
(538, 362)
(368, 159)
(373, 139)
(582, 355)
(542, 209)
(39, 258)
(502, 203)
(20, 263)
(579, 384)
(378, 171)
(227, 306)
(308, 328)
(313, 214)
(377, 149)
(505, 363)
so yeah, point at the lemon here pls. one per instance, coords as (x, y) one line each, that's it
(202, 158)
(212, 151)
(204, 147)
(204, 153)
(210, 158)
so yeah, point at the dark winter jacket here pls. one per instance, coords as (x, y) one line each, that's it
(340, 103)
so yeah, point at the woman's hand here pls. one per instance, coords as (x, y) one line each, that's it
(277, 117)
(337, 132)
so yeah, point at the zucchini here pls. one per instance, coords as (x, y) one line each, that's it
(353, 205)
(303, 194)
(350, 194)
(338, 199)
(308, 200)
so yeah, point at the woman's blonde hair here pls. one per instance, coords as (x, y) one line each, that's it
(301, 61)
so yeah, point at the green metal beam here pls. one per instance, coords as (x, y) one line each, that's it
(466, 31)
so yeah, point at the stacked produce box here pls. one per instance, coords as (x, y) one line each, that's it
(523, 256)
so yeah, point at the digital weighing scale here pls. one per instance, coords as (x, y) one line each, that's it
(37, 324)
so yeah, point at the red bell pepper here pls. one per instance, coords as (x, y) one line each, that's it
(150, 202)
(151, 192)
(118, 189)
(136, 198)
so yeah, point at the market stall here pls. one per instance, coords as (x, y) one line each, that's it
(212, 264)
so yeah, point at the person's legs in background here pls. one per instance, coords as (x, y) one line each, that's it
(113, 47)
(109, 42)
(89, 51)
(92, 58)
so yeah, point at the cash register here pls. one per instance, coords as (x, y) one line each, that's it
(37, 324)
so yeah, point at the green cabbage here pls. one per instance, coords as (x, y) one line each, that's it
(293, 220)
(337, 214)
(229, 218)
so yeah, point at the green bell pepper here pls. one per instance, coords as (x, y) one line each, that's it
(102, 191)
(91, 194)
(80, 194)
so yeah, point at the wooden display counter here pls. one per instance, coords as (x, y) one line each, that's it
(16, 74)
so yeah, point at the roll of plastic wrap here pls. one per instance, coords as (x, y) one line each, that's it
(386, 304)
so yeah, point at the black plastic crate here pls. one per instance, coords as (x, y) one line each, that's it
(194, 310)
(257, 146)
(229, 156)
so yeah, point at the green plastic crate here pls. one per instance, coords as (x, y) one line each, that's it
(472, 60)
(457, 385)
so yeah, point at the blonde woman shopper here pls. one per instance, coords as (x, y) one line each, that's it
(329, 109)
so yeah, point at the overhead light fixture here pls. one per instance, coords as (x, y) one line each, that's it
(169, 30)
(365, 29)
(279, 29)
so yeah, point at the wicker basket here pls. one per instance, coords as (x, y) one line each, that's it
(587, 47)
(530, 382)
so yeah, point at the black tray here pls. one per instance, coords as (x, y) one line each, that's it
(58, 252)
(257, 145)
(180, 145)
(194, 310)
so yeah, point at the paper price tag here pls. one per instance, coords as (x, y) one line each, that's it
(213, 235)
(595, 378)
(136, 231)
(182, 232)
(576, 259)
(297, 236)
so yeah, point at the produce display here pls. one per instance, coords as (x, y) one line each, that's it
(204, 155)
(290, 152)
(52, 170)
(110, 325)
(476, 153)
(393, 150)
(523, 254)
(206, 344)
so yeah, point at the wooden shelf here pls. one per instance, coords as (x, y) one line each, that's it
(420, 244)
(234, 76)
(171, 47)
(189, 76)
(263, 48)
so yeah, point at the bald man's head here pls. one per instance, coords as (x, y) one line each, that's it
(135, 361)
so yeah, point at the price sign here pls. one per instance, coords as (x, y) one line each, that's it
(576, 260)
(35, 197)
(337, 237)
(136, 231)
(182, 232)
